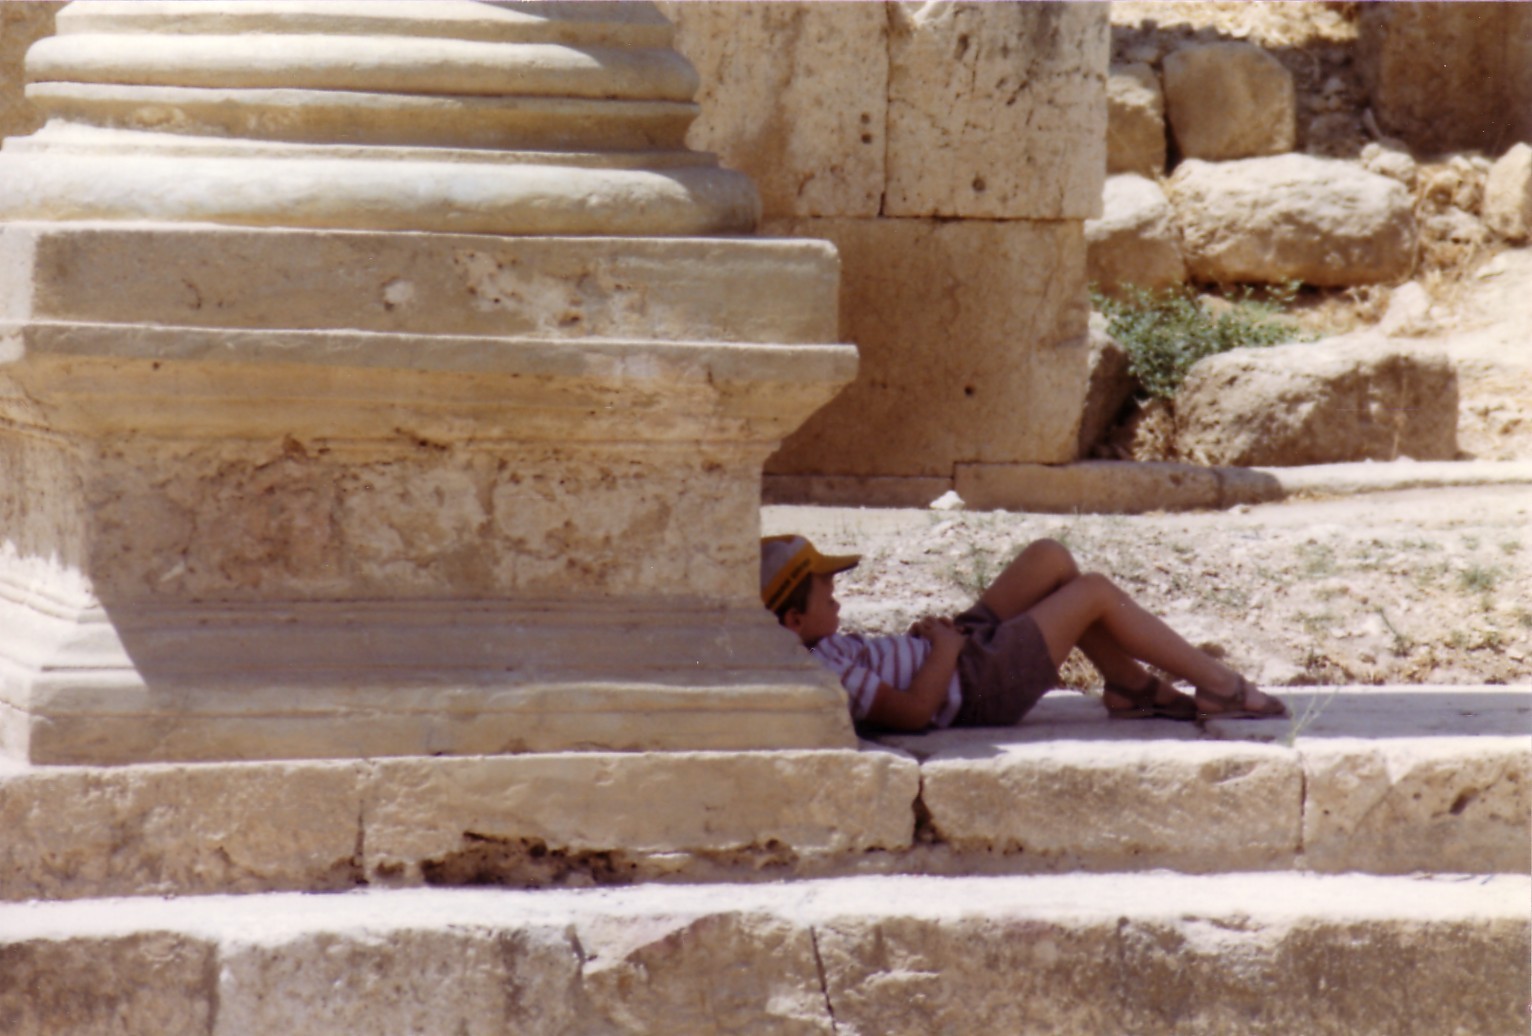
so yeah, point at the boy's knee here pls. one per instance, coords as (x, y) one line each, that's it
(1054, 555)
(1099, 585)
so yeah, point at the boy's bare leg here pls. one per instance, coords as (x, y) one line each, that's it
(1041, 569)
(1065, 616)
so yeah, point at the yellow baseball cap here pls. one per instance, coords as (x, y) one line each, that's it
(787, 561)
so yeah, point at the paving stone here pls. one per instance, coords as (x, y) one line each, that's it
(1447, 804)
(1147, 953)
(72, 832)
(607, 815)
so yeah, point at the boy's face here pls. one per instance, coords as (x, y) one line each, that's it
(821, 617)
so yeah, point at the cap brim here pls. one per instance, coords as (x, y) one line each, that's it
(832, 564)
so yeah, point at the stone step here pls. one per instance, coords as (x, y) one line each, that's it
(881, 955)
(1388, 780)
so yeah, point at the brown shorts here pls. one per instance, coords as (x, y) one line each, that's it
(1004, 668)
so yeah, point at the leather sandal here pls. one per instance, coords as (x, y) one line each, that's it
(1158, 700)
(1237, 705)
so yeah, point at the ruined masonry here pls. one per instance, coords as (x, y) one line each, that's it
(389, 379)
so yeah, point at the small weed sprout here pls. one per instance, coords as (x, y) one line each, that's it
(1166, 332)
(975, 572)
(1478, 579)
(1403, 645)
(1313, 708)
(1318, 560)
(1317, 623)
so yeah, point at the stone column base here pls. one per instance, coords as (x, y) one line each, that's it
(285, 494)
(297, 679)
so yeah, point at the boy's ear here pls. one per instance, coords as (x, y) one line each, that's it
(793, 620)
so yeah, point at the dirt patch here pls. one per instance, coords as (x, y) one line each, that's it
(1425, 586)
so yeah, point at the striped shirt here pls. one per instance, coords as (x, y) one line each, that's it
(863, 663)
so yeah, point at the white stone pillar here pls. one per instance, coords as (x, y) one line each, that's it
(367, 389)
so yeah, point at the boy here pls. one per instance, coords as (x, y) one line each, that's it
(991, 664)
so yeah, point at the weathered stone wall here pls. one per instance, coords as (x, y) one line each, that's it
(951, 152)
(1448, 76)
(21, 24)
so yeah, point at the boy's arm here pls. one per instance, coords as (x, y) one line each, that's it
(913, 709)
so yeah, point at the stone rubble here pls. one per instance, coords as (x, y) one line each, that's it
(1135, 124)
(1291, 217)
(1136, 241)
(1307, 403)
(1229, 100)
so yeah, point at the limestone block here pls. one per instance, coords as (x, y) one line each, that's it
(997, 111)
(1292, 217)
(1508, 194)
(1318, 403)
(1111, 487)
(1229, 100)
(1135, 242)
(453, 819)
(1448, 77)
(1153, 953)
(21, 25)
(1518, 74)
(1443, 804)
(1111, 384)
(461, 980)
(1135, 121)
(1194, 807)
(693, 291)
(972, 343)
(1335, 974)
(997, 971)
(796, 96)
(725, 971)
(852, 490)
(178, 830)
(122, 985)
(1157, 956)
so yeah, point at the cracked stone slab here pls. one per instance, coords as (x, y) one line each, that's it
(76, 832)
(1451, 804)
(534, 819)
(618, 816)
(1378, 779)
(1069, 799)
(1148, 953)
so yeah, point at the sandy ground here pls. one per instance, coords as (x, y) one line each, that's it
(1422, 586)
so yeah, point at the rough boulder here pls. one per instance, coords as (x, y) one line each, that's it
(1135, 121)
(1136, 240)
(1508, 194)
(1292, 217)
(1347, 399)
(1230, 100)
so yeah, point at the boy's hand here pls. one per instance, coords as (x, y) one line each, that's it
(939, 630)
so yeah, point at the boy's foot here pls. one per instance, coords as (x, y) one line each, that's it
(1246, 702)
(1157, 700)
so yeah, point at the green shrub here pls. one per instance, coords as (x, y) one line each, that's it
(1165, 332)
